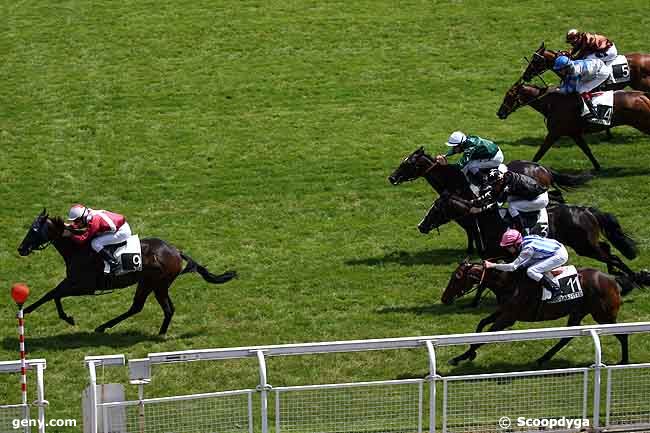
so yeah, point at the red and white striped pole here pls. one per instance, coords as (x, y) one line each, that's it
(19, 293)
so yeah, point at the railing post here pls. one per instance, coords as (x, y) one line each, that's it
(597, 366)
(432, 383)
(263, 388)
(40, 402)
(93, 396)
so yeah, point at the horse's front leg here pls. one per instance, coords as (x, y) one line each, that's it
(548, 142)
(62, 315)
(500, 323)
(582, 144)
(55, 293)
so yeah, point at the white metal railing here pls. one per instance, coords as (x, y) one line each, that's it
(11, 413)
(343, 415)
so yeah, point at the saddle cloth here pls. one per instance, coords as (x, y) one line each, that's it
(567, 278)
(603, 102)
(620, 71)
(128, 255)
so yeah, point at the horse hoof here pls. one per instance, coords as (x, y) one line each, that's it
(69, 320)
(100, 330)
(472, 356)
(453, 361)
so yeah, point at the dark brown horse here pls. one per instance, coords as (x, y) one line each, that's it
(575, 226)
(638, 64)
(161, 264)
(562, 114)
(449, 179)
(518, 299)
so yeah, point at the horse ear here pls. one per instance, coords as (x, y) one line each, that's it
(542, 46)
(420, 149)
(465, 260)
(44, 213)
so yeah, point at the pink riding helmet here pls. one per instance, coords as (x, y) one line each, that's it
(511, 237)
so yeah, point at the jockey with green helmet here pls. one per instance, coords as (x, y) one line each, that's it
(539, 255)
(478, 154)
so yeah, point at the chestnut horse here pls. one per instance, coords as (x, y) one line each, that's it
(562, 114)
(519, 300)
(161, 264)
(639, 69)
(575, 226)
(449, 179)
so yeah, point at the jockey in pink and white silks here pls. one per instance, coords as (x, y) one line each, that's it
(101, 228)
(539, 255)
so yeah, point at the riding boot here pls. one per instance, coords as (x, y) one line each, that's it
(109, 258)
(590, 105)
(550, 285)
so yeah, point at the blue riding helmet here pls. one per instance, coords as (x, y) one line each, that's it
(561, 63)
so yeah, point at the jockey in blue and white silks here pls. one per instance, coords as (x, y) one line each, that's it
(580, 76)
(539, 255)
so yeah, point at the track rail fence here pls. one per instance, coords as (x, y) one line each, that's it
(13, 413)
(608, 398)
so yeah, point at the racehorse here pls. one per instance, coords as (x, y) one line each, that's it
(519, 299)
(161, 264)
(638, 64)
(575, 226)
(562, 114)
(449, 179)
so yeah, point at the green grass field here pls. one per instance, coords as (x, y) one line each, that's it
(258, 136)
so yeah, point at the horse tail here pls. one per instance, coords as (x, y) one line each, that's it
(555, 195)
(193, 266)
(568, 181)
(614, 233)
(626, 283)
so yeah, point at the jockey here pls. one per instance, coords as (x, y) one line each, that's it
(581, 76)
(101, 228)
(591, 46)
(478, 154)
(523, 194)
(539, 255)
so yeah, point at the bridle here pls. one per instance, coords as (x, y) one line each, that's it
(476, 281)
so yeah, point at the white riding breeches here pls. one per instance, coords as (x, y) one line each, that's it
(608, 56)
(536, 271)
(517, 205)
(100, 241)
(598, 75)
(478, 164)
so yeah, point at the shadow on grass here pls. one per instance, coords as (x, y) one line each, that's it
(524, 364)
(485, 308)
(78, 340)
(595, 138)
(616, 172)
(442, 256)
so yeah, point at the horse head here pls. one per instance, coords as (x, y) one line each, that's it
(542, 60)
(517, 96)
(464, 278)
(37, 236)
(412, 167)
(446, 208)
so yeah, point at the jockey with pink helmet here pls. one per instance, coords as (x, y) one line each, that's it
(100, 227)
(539, 255)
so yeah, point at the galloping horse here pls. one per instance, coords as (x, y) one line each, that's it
(519, 299)
(639, 69)
(161, 264)
(449, 179)
(575, 226)
(562, 114)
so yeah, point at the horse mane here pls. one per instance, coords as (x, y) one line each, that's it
(58, 223)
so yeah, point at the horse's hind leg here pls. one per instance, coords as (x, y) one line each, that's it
(574, 320)
(582, 144)
(141, 294)
(162, 296)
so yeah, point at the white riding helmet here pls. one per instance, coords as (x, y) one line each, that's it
(456, 138)
(571, 35)
(77, 211)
